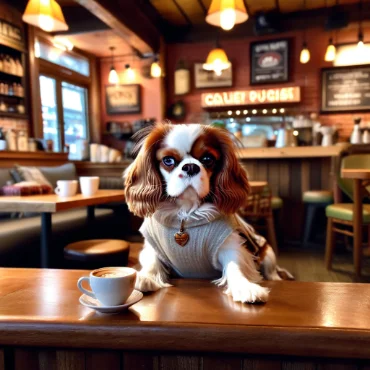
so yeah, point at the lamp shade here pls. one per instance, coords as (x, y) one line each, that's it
(217, 61)
(155, 69)
(45, 14)
(305, 55)
(226, 13)
(113, 76)
(330, 52)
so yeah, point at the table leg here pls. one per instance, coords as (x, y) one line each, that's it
(45, 238)
(90, 213)
(357, 226)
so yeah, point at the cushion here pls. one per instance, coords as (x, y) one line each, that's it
(25, 188)
(318, 196)
(344, 211)
(64, 172)
(29, 174)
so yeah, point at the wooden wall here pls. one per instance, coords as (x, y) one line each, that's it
(62, 359)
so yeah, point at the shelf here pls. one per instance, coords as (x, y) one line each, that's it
(11, 96)
(14, 115)
(2, 73)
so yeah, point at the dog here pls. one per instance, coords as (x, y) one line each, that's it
(188, 185)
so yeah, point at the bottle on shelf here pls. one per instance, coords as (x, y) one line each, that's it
(10, 90)
(1, 62)
(7, 64)
(20, 90)
(19, 68)
(13, 66)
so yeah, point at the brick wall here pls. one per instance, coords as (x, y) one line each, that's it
(305, 75)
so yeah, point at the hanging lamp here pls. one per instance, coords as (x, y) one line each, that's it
(45, 14)
(360, 43)
(113, 75)
(226, 13)
(129, 73)
(155, 68)
(331, 51)
(217, 60)
(305, 53)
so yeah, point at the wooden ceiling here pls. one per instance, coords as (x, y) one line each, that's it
(192, 12)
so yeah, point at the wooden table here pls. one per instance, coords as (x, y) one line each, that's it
(51, 203)
(190, 326)
(360, 177)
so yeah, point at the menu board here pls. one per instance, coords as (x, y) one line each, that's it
(345, 89)
(269, 62)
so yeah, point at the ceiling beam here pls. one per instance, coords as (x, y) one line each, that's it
(128, 21)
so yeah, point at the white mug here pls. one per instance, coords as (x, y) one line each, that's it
(66, 188)
(94, 152)
(111, 286)
(104, 153)
(89, 185)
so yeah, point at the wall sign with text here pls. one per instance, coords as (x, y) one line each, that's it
(345, 89)
(11, 35)
(290, 94)
(269, 61)
(123, 99)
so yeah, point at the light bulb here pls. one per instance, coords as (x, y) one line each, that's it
(305, 55)
(129, 73)
(330, 52)
(227, 19)
(113, 76)
(155, 69)
(46, 22)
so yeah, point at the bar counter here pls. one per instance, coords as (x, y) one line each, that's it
(191, 326)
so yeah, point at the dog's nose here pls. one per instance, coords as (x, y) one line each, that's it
(191, 169)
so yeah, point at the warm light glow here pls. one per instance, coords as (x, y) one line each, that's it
(264, 111)
(62, 43)
(274, 111)
(245, 112)
(248, 119)
(113, 76)
(155, 69)
(295, 133)
(226, 13)
(282, 110)
(229, 112)
(254, 111)
(37, 49)
(237, 112)
(349, 55)
(45, 14)
(217, 61)
(305, 55)
(330, 52)
(129, 74)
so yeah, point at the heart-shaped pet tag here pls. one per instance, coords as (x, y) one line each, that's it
(181, 238)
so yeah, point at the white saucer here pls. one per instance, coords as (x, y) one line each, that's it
(93, 303)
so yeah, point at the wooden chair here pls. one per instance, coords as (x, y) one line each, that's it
(259, 207)
(341, 215)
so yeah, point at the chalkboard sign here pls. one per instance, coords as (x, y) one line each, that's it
(345, 89)
(123, 99)
(269, 62)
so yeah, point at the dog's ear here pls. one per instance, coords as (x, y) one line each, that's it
(230, 184)
(143, 182)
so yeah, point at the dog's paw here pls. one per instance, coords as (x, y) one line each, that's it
(146, 283)
(247, 292)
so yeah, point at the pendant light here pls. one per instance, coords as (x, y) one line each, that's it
(45, 14)
(129, 73)
(217, 61)
(226, 13)
(331, 52)
(113, 76)
(360, 44)
(305, 53)
(155, 69)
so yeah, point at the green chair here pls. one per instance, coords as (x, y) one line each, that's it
(314, 200)
(342, 213)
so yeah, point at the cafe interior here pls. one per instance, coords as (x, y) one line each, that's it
(289, 80)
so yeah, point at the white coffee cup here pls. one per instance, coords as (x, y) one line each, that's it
(111, 286)
(89, 185)
(104, 154)
(94, 152)
(66, 188)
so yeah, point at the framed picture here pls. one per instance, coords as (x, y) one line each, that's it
(269, 62)
(208, 79)
(122, 99)
(345, 89)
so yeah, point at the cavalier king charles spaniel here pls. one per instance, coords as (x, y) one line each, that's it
(188, 185)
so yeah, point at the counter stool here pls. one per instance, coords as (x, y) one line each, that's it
(97, 253)
(314, 200)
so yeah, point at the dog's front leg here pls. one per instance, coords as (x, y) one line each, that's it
(153, 275)
(239, 272)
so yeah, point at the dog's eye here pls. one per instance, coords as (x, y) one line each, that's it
(169, 161)
(208, 160)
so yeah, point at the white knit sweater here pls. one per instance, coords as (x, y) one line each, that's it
(198, 258)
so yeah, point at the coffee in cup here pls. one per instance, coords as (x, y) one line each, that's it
(66, 188)
(89, 185)
(111, 286)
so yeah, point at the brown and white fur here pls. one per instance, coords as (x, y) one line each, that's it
(162, 175)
